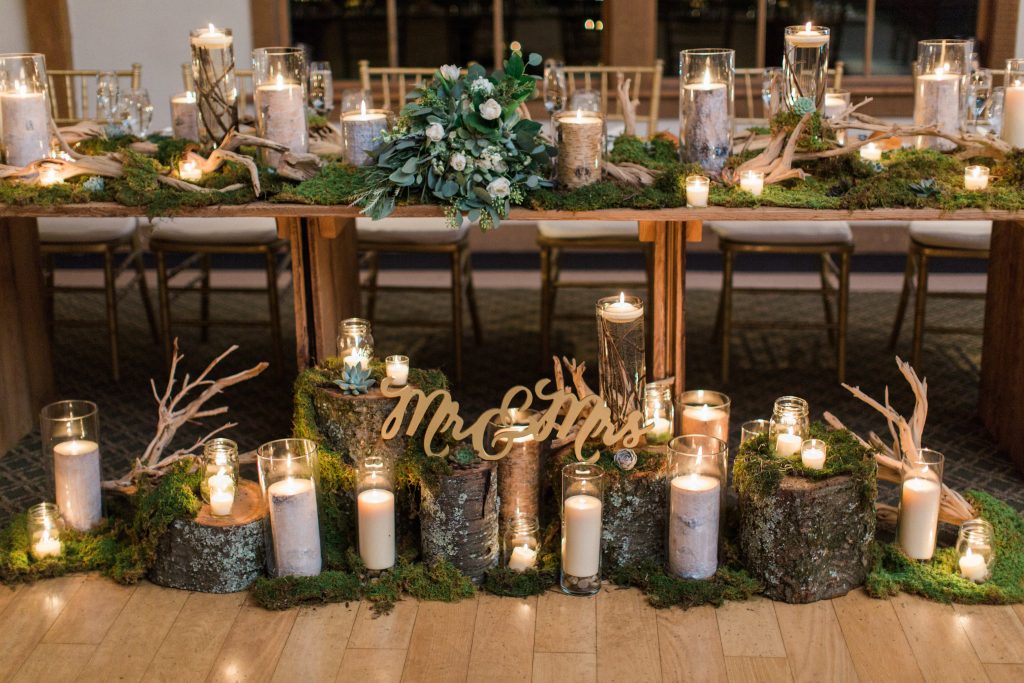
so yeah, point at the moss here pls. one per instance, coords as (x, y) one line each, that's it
(104, 145)
(336, 184)
(290, 591)
(664, 590)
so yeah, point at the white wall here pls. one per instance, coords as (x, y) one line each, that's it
(1019, 49)
(13, 30)
(111, 34)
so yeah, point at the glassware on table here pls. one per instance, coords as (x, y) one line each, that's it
(375, 513)
(790, 425)
(44, 526)
(321, 87)
(108, 95)
(751, 428)
(220, 478)
(836, 102)
(585, 99)
(521, 543)
(920, 499)
(137, 112)
(697, 477)
(355, 341)
(554, 86)
(70, 432)
(356, 99)
(771, 90)
(975, 548)
(940, 80)
(289, 478)
(582, 505)
(24, 108)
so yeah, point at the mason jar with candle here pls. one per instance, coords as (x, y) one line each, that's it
(805, 66)
(940, 80)
(360, 129)
(659, 412)
(213, 74)
(975, 549)
(45, 525)
(375, 512)
(24, 109)
(579, 136)
(1013, 103)
(355, 341)
(790, 425)
(70, 432)
(288, 472)
(920, 498)
(279, 77)
(703, 411)
(582, 505)
(519, 470)
(621, 357)
(220, 475)
(697, 476)
(976, 178)
(706, 81)
(521, 543)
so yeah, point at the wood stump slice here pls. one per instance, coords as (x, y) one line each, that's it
(346, 421)
(215, 554)
(459, 519)
(633, 518)
(810, 540)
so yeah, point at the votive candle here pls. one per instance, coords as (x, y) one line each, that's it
(752, 182)
(976, 178)
(812, 454)
(871, 152)
(398, 370)
(697, 190)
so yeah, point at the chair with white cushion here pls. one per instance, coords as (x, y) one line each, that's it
(422, 236)
(200, 239)
(832, 241)
(935, 240)
(556, 237)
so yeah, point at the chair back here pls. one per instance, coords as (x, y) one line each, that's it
(750, 77)
(392, 83)
(73, 91)
(602, 78)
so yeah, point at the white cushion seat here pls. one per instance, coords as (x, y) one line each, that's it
(410, 230)
(952, 234)
(582, 230)
(83, 230)
(783, 232)
(215, 230)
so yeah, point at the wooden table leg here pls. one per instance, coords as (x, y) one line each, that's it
(668, 338)
(26, 361)
(1001, 394)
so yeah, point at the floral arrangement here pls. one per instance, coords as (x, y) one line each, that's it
(461, 141)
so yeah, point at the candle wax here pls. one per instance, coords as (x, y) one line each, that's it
(523, 557)
(788, 444)
(47, 546)
(1013, 115)
(973, 567)
(621, 311)
(694, 511)
(813, 458)
(77, 476)
(919, 517)
(398, 373)
(377, 528)
(295, 528)
(581, 548)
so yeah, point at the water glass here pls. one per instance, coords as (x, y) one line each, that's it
(321, 87)
(554, 86)
(137, 112)
(108, 93)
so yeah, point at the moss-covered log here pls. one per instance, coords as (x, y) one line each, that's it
(459, 519)
(349, 423)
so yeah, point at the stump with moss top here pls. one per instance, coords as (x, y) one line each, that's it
(351, 422)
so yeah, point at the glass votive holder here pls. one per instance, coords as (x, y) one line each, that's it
(790, 425)
(44, 528)
(580, 139)
(189, 171)
(812, 454)
(976, 550)
(698, 471)
(752, 182)
(976, 178)
(288, 479)
(751, 428)
(397, 368)
(355, 342)
(375, 503)
(706, 106)
(521, 543)
(940, 77)
(836, 102)
(920, 498)
(582, 504)
(659, 412)
(704, 411)
(220, 478)
(698, 187)
(70, 432)
(279, 77)
(321, 87)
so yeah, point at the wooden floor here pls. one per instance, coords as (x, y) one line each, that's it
(86, 628)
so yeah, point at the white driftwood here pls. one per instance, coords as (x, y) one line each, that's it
(627, 104)
(629, 173)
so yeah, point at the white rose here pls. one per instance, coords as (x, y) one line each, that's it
(450, 72)
(483, 163)
(481, 86)
(498, 188)
(458, 161)
(435, 132)
(500, 166)
(490, 109)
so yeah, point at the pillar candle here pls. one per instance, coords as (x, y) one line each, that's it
(788, 444)
(694, 509)
(706, 420)
(377, 528)
(937, 102)
(580, 145)
(1013, 115)
(523, 557)
(294, 527)
(76, 471)
(581, 554)
(707, 127)
(919, 517)
(358, 131)
(185, 116)
(281, 113)
(24, 123)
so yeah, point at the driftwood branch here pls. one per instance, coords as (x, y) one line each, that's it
(628, 105)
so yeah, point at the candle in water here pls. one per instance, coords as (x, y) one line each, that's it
(919, 517)
(398, 370)
(581, 551)
(694, 509)
(294, 527)
(377, 528)
(24, 125)
(871, 152)
(706, 420)
(788, 444)
(976, 178)
(76, 465)
(523, 557)
(212, 38)
(973, 567)
(222, 493)
(697, 190)
(807, 37)
(622, 311)
(752, 182)
(189, 170)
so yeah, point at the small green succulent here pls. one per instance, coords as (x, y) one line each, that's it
(355, 380)
(925, 188)
(803, 105)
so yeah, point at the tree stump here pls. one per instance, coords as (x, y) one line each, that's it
(348, 421)
(215, 554)
(459, 519)
(519, 481)
(810, 540)
(634, 519)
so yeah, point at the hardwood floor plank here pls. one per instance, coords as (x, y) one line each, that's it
(28, 617)
(564, 667)
(691, 648)
(253, 645)
(372, 666)
(388, 632)
(90, 612)
(503, 639)
(814, 642)
(750, 629)
(136, 635)
(627, 637)
(566, 623)
(316, 643)
(941, 647)
(55, 662)
(875, 639)
(758, 670)
(995, 632)
(1005, 673)
(441, 642)
(195, 638)
(7, 594)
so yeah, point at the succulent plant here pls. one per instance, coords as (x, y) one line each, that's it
(803, 105)
(925, 188)
(94, 184)
(355, 380)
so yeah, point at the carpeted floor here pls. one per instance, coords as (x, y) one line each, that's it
(766, 365)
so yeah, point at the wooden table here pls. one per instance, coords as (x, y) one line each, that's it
(326, 289)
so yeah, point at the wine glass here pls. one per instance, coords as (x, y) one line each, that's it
(554, 87)
(137, 112)
(771, 90)
(108, 92)
(321, 87)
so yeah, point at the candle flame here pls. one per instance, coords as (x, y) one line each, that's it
(969, 552)
(211, 30)
(622, 297)
(362, 108)
(279, 81)
(579, 114)
(20, 87)
(707, 77)
(807, 27)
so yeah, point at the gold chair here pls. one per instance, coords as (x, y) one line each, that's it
(72, 91)
(931, 240)
(584, 77)
(750, 78)
(393, 83)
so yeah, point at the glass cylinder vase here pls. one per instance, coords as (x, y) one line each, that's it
(521, 543)
(220, 477)
(355, 342)
(519, 470)
(790, 425)
(975, 548)
(279, 78)
(805, 67)
(360, 129)
(579, 135)
(582, 504)
(375, 503)
(836, 102)
(659, 412)
(213, 73)
(940, 79)
(185, 116)
(288, 479)
(704, 412)
(621, 356)
(44, 526)
(920, 497)
(321, 88)
(698, 472)
(70, 432)
(753, 428)
(1013, 103)
(24, 109)
(706, 81)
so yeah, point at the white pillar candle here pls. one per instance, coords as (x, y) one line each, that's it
(523, 557)
(398, 372)
(222, 493)
(358, 131)
(707, 126)
(377, 528)
(788, 444)
(580, 146)
(976, 178)
(581, 552)
(48, 545)
(937, 102)
(814, 458)
(281, 117)
(294, 527)
(871, 152)
(697, 190)
(706, 420)
(752, 182)
(919, 517)
(694, 510)
(622, 311)
(24, 123)
(185, 116)
(76, 471)
(973, 567)
(1013, 115)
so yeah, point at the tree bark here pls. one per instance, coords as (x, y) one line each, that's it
(459, 519)
(633, 519)
(352, 423)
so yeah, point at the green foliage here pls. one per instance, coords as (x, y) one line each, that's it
(661, 152)
(664, 590)
(290, 591)
(336, 184)
(104, 145)
(355, 380)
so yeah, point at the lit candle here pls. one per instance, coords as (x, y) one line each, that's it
(377, 528)
(697, 190)
(212, 38)
(707, 124)
(706, 420)
(1013, 113)
(835, 104)
(24, 125)
(788, 444)
(294, 527)
(976, 177)
(580, 145)
(581, 551)
(185, 116)
(523, 557)
(622, 311)
(189, 170)
(359, 130)
(694, 510)
(49, 544)
(281, 117)
(871, 152)
(355, 358)
(49, 175)
(973, 567)
(76, 471)
(222, 493)
(752, 182)
(919, 517)
(809, 36)
(937, 103)
(812, 454)
(398, 370)
(661, 430)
